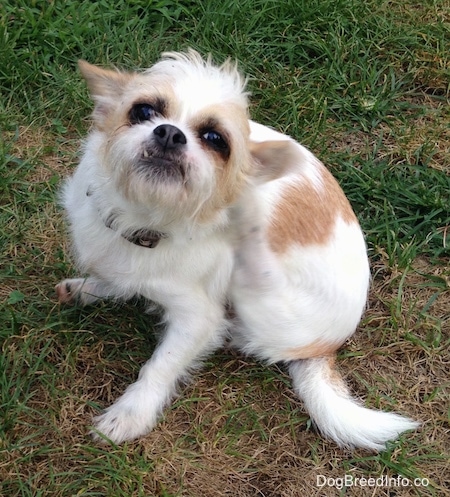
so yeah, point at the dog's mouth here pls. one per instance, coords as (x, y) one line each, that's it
(160, 166)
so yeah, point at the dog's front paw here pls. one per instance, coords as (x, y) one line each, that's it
(119, 425)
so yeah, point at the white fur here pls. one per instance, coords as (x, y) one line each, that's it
(283, 301)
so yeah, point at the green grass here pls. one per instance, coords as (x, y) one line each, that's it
(365, 85)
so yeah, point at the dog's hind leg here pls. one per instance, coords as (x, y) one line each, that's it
(83, 291)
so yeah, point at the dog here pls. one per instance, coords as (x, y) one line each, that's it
(181, 199)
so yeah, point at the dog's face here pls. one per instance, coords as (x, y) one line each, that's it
(174, 137)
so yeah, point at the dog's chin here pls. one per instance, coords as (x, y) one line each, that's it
(159, 181)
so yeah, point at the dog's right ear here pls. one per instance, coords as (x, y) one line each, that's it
(274, 159)
(105, 86)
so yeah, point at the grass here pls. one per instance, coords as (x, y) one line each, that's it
(365, 86)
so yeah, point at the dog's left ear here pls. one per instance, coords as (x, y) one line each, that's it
(105, 86)
(103, 82)
(274, 159)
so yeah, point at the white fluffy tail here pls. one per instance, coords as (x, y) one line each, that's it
(336, 414)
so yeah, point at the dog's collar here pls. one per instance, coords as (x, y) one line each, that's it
(140, 237)
(144, 238)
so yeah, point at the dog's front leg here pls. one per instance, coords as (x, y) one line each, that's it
(195, 328)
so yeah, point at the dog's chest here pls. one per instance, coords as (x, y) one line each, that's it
(172, 265)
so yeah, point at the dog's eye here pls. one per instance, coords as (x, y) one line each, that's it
(141, 112)
(215, 140)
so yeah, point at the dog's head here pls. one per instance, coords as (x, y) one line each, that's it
(173, 137)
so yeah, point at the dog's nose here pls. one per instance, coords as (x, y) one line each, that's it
(169, 137)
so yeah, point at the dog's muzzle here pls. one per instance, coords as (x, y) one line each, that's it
(162, 155)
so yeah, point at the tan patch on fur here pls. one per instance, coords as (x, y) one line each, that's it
(106, 86)
(104, 81)
(306, 214)
(313, 350)
(335, 378)
(232, 123)
(115, 91)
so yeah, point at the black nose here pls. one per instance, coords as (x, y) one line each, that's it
(169, 137)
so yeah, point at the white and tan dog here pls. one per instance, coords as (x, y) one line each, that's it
(180, 199)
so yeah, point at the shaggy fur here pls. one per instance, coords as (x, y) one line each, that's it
(179, 198)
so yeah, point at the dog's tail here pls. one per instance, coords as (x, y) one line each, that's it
(336, 414)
